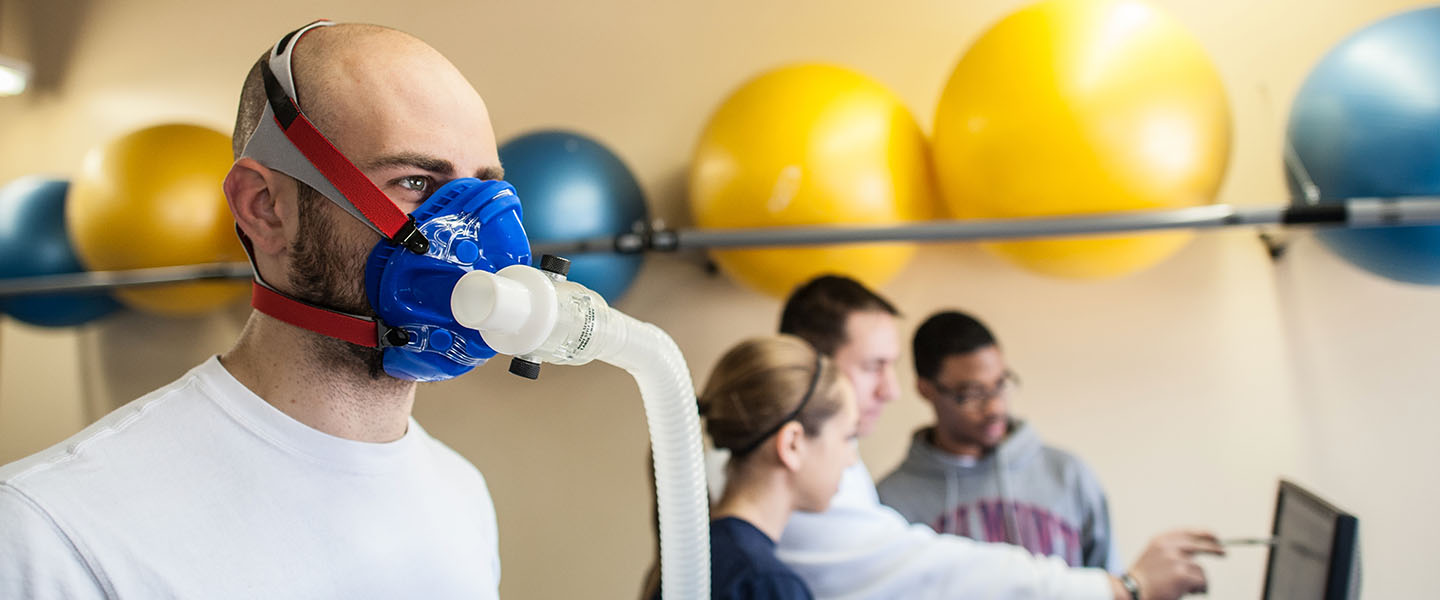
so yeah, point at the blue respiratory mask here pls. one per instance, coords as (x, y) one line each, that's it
(471, 224)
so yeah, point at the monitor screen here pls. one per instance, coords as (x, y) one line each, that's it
(1315, 551)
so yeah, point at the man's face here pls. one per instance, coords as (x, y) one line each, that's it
(970, 395)
(867, 358)
(410, 122)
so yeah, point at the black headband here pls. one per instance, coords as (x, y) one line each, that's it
(794, 414)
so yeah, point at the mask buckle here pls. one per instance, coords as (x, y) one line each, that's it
(410, 238)
(390, 337)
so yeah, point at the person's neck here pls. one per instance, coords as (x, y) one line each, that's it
(957, 447)
(277, 362)
(762, 499)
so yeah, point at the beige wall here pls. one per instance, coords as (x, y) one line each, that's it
(1190, 388)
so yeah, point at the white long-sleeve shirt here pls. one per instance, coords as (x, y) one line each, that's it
(860, 548)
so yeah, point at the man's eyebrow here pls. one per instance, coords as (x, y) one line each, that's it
(488, 173)
(412, 159)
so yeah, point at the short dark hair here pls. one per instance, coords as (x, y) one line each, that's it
(816, 311)
(946, 334)
(252, 106)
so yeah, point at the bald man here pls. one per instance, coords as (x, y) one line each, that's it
(289, 466)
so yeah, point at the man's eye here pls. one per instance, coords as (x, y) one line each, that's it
(416, 183)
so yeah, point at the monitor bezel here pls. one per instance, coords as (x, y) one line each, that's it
(1343, 544)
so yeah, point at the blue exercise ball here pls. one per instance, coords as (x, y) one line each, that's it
(33, 242)
(571, 188)
(1367, 123)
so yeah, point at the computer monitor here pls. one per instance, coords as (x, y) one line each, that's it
(1315, 554)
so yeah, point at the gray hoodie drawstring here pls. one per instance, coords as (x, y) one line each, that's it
(951, 493)
(1012, 527)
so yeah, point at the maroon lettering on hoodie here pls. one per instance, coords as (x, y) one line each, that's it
(1039, 530)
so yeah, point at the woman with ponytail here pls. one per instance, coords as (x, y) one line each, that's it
(788, 419)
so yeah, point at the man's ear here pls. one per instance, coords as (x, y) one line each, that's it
(789, 446)
(251, 189)
(927, 389)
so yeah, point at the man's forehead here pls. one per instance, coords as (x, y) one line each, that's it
(402, 105)
(869, 344)
(459, 145)
(871, 327)
(987, 361)
(413, 143)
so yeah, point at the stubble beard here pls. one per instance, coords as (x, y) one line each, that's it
(327, 272)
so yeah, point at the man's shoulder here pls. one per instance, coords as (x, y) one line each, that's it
(109, 441)
(450, 462)
(1069, 468)
(899, 482)
(919, 469)
(1059, 455)
(50, 498)
(1063, 458)
(912, 466)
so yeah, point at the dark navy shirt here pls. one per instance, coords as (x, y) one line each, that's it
(743, 565)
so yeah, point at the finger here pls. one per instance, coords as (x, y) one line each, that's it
(1196, 546)
(1201, 534)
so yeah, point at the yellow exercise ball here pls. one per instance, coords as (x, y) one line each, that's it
(152, 198)
(811, 144)
(1082, 106)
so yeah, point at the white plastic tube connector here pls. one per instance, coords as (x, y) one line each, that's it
(523, 311)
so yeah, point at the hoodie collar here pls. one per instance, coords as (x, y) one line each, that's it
(1019, 445)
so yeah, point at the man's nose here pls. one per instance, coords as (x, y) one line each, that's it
(995, 406)
(889, 386)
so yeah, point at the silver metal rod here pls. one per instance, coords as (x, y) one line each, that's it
(1384, 212)
(1360, 212)
(1357, 212)
(1208, 216)
(104, 281)
(984, 229)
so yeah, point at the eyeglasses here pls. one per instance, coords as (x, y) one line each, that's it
(975, 396)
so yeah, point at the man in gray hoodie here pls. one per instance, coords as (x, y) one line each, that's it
(982, 474)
